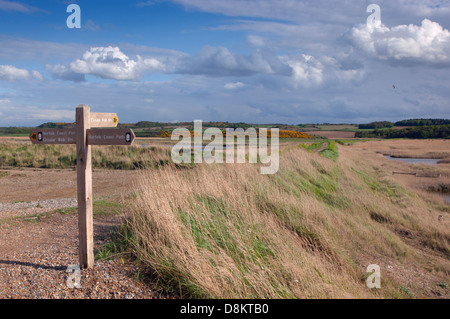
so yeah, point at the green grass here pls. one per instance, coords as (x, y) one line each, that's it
(106, 208)
(100, 207)
(352, 141)
(312, 147)
(118, 244)
(331, 151)
(32, 218)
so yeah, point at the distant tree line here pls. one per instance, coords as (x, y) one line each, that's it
(376, 125)
(15, 130)
(419, 132)
(147, 133)
(422, 122)
(56, 125)
(410, 122)
(148, 124)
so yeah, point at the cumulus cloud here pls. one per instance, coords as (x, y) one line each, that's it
(10, 73)
(428, 43)
(107, 63)
(220, 61)
(307, 70)
(297, 69)
(111, 63)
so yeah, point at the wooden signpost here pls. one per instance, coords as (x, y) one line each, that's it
(83, 136)
(94, 136)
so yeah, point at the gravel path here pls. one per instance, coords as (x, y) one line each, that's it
(35, 256)
(45, 274)
(16, 209)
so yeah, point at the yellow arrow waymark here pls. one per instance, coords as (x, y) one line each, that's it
(33, 137)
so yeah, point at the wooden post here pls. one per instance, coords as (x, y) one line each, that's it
(84, 188)
(83, 137)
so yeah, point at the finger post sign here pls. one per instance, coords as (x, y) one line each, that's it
(91, 129)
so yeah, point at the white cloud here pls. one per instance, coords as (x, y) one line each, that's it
(11, 74)
(233, 86)
(111, 63)
(37, 75)
(307, 70)
(220, 62)
(427, 43)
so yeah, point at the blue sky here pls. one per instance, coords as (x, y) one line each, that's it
(260, 61)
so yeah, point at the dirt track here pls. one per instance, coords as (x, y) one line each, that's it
(30, 184)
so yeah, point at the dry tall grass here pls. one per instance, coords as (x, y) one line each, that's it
(309, 231)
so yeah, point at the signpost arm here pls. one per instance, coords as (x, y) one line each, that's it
(84, 189)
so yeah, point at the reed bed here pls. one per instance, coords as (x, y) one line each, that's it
(24, 154)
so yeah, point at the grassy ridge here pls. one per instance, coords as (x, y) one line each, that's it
(226, 231)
